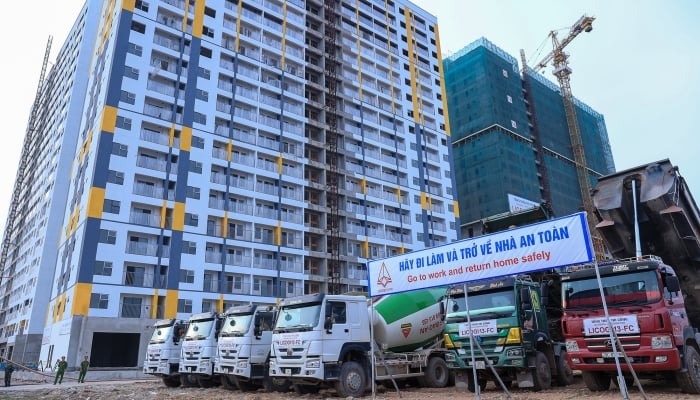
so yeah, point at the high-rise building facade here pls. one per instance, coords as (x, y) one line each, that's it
(40, 196)
(510, 137)
(235, 152)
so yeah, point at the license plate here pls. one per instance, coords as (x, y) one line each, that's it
(610, 354)
(480, 365)
(288, 371)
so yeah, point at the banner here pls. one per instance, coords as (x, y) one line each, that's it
(549, 244)
(517, 204)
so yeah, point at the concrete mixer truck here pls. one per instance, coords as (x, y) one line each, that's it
(163, 353)
(325, 341)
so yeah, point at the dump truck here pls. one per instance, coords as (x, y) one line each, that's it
(163, 352)
(515, 322)
(323, 340)
(198, 352)
(243, 352)
(653, 301)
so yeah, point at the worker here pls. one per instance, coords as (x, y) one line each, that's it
(8, 372)
(83, 370)
(62, 365)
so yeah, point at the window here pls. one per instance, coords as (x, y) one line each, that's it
(336, 312)
(186, 276)
(196, 167)
(189, 247)
(207, 31)
(184, 306)
(127, 97)
(202, 95)
(107, 236)
(115, 177)
(119, 149)
(111, 206)
(205, 52)
(131, 307)
(197, 142)
(135, 49)
(193, 192)
(103, 268)
(200, 118)
(138, 27)
(203, 73)
(209, 12)
(99, 300)
(131, 72)
(191, 219)
(141, 5)
(124, 123)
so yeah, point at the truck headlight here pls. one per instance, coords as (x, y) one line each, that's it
(313, 364)
(571, 345)
(661, 342)
(242, 364)
(203, 363)
(514, 352)
(272, 363)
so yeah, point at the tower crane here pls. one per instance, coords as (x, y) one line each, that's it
(560, 62)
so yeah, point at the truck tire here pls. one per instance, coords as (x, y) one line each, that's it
(351, 380)
(244, 385)
(596, 381)
(188, 380)
(228, 383)
(436, 373)
(274, 384)
(689, 380)
(541, 375)
(565, 376)
(470, 383)
(205, 381)
(171, 381)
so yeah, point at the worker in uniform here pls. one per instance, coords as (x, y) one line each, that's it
(62, 365)
(83, 370)
(9, 368)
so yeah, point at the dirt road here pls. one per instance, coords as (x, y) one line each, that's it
(154, 390)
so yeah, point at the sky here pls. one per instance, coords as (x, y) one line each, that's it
(639, 67)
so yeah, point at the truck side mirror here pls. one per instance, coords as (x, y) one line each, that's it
(525, 300)
(328, 324)
(672, 284)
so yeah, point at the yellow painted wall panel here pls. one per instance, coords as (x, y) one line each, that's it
(96, 202)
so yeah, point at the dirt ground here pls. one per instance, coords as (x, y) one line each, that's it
(155, 390)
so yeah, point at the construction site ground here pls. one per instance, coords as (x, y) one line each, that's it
(152, 389)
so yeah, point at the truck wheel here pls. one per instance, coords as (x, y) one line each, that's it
(689, 380)
(470, 383)
(351, 380)
(565, 376)
(205, 381)
(306, 389)
(274, 384)
(228, 383)
(436, 373)
(596, 381)
(188, 380)
(542, 375)
(245, 386)
(171, 381)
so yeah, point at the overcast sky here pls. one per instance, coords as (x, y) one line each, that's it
(639, 67)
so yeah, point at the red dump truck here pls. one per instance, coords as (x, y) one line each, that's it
(653, 301)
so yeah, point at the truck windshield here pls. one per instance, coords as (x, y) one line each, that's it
(638, 287)
(484, 305)
(161, 334)
(298, 316)
(236, 325)
(199, 329)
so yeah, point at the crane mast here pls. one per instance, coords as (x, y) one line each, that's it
(560, 62)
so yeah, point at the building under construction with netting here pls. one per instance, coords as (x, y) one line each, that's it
(511, 140)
